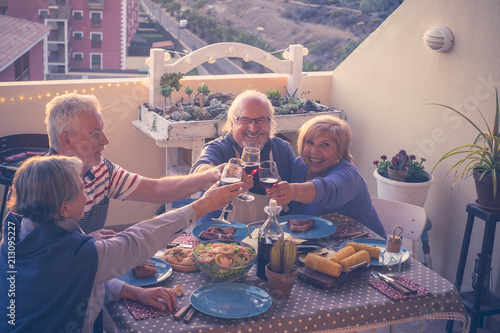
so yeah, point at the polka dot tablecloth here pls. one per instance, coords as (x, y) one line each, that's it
(351, 306)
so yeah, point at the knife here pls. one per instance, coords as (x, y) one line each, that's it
(189, 315)
(397, 285)
(179, 314)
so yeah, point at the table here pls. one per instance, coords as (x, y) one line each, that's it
(351, 306)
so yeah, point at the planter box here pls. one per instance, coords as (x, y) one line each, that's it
(162, 129)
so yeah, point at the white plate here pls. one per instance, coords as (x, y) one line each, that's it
(380, 243)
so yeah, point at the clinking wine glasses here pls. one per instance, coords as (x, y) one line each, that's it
(232, 173)
(251, 157)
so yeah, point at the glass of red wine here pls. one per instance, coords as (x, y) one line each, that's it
(232, 173)
(251, 157)
(268, 174)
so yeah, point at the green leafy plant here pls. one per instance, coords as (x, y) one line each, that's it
(204, 91)
(189, 91)
(283, 254)
(416, 170)
(482, 155)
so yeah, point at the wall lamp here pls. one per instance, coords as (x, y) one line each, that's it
(439, 38)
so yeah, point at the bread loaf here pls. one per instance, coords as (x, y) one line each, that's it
(371, 249)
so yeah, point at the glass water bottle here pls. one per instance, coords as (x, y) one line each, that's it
(269, 233)
(392, 254)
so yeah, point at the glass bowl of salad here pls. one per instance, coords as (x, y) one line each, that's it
(224, 261)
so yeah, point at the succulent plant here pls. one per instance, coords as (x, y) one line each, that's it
(400, 161)
(180, 115)
(283, 256)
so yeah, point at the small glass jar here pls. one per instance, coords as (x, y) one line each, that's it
(392, 254)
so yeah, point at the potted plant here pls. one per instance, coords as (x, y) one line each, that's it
(481, 159)
(409, 181)
(281, 272)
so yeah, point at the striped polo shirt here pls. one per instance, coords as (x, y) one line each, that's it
(101, 183)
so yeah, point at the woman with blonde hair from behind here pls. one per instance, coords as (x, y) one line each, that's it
(324, 180)
(58, 271)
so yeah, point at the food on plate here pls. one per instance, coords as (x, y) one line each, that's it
(224, 261)
(218, 233)
(342, 253)
(215, 236)
(178, 290)
(355, 259)
(300, 225)
(223, 230)
(179, 256)
(323, 265)
(145, 269)
(371, 249)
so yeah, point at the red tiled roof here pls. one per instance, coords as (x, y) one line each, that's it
(164, 44)
(18, 36)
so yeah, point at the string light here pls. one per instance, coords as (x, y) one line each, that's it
(49, 95)
(246, 58)
(211, 60)
(167, 56)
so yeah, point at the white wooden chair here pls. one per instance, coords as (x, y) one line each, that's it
(410, 217)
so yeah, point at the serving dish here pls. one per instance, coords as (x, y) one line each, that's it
(322, 227)
(380, 243)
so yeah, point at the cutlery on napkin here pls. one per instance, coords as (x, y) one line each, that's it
(406, 286)
(391, 282)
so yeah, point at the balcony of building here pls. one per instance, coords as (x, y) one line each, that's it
(384, 87)
(95, 4)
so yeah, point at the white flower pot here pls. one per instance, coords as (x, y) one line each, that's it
(412, 193)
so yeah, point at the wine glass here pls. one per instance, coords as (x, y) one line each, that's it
(232, 173)
(251, 157)
(268, 176)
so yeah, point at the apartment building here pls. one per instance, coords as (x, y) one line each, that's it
(86, 35)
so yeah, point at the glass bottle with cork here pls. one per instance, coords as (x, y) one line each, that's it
(269, 233)
(392, 254)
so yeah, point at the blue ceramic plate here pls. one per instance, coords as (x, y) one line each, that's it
(230, 300)
(322, 228)
(163, 269)
(241, 229)
(380, 243)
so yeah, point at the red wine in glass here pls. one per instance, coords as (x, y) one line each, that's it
(251, 168)
(268, 182)
(251, 157)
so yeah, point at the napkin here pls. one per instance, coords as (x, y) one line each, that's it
(396, 295)
(141, 311)
(344, 230)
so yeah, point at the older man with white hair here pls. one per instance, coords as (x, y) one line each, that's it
(250, 123)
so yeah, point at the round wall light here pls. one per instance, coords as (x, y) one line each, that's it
(439, 38)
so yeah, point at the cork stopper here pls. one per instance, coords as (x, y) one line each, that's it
(394, 241)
